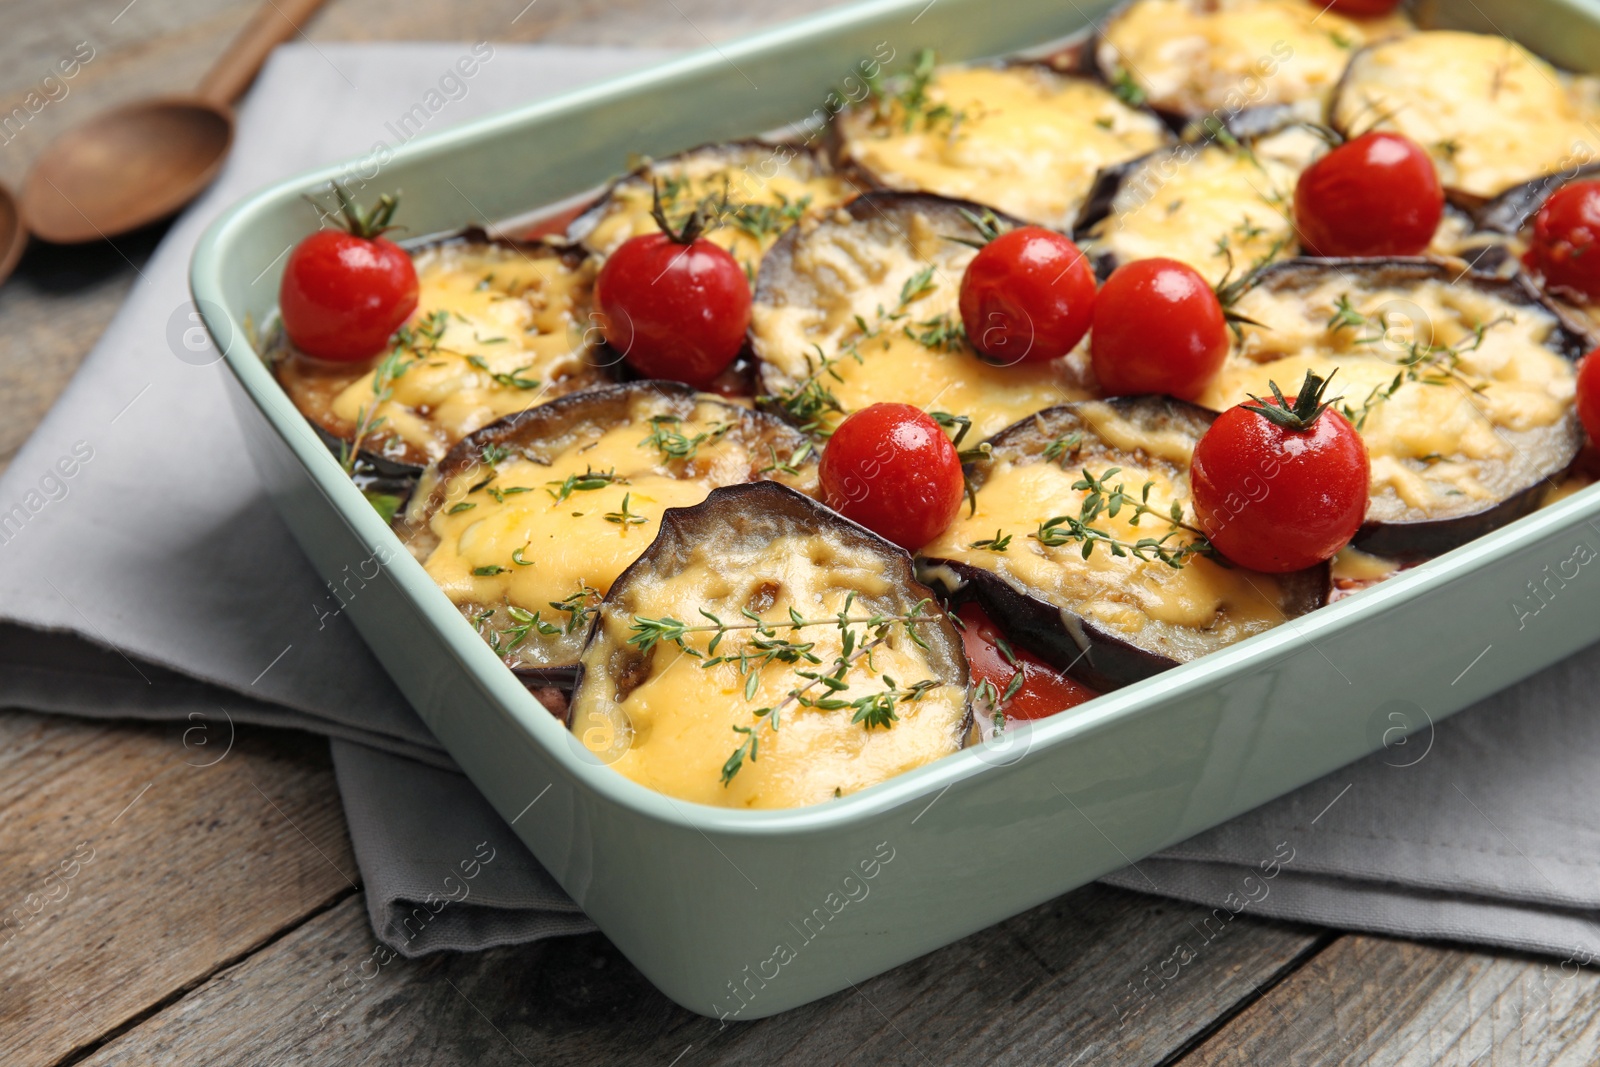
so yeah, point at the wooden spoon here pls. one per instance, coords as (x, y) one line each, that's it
(13, 234)
(143, 161)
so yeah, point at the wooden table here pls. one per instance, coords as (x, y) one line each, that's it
(215, 915)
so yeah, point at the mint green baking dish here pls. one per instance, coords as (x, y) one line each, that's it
(738, 914)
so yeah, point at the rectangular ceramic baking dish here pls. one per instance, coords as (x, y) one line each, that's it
(741, 913)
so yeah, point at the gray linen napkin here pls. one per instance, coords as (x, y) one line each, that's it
(155, 581)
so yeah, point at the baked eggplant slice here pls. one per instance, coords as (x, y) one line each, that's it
(768, 187)
(1024, 138)
(1490, 114)
(1195, 58)
(499, 327)
(1105, 616)
(1461, 385)
(697, 682)
(526, 523)
(1218, 207)
(1513, 210)
(861, 306)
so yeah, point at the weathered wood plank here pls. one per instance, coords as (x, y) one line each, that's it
(1385, 1003)
(1048, 986)
(131, 866)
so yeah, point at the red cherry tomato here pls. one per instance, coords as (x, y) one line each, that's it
(1364, 9)
(1044, 691)
(1378, 195)
(345, 292)
(1564, 231)
(674, 310)
(891, 468)
(1027, 296)
(1280, 489)
(1158, 328)
(1589, 395)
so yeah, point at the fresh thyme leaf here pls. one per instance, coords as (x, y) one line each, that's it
(1100, 497)
(465, 505)
(1345, 316)
(489, 571)
(1063, 447)
(807, 401)
(493, 454)
(943, 333)
(625, 518)
(385, 504)
(998, 543)
(589, 480)
(673, 443)
(919, 284)
(1127, 90)
(762, 221)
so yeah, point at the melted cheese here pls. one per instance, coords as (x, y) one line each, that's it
(1200, 604)
(857, 277)
(531, 547)
(1193, 56)
(1022, 139)
(775, 177)
(1355, 567)
(1438, 448)
(520, 317)
(1489, 113)
(674, 730)
(1184, 204)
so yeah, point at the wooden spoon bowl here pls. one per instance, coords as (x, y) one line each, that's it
(13, 234)
(126, 168)
(141, 162)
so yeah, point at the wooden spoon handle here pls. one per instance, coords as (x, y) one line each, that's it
(273, 23)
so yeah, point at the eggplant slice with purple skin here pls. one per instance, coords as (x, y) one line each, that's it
(1214, 204)
(499, 327)
(526, 523)
(781, 715)
(860, 307)
(768, 188)
(1460, 383)
(1022, 137)
(1491, 115)
(1103, 616)
(1191, 60)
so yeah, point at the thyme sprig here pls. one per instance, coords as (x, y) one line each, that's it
(1103, 498)
(1424, 362)
(1128, 90)
(509, 379)
(579, 608)
(625, 518)
(420, 341)
(673, 443)
(768, 644)
(589, 480)
(998, 543)
(762, 221)
(810, 400)
(1064, 447)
